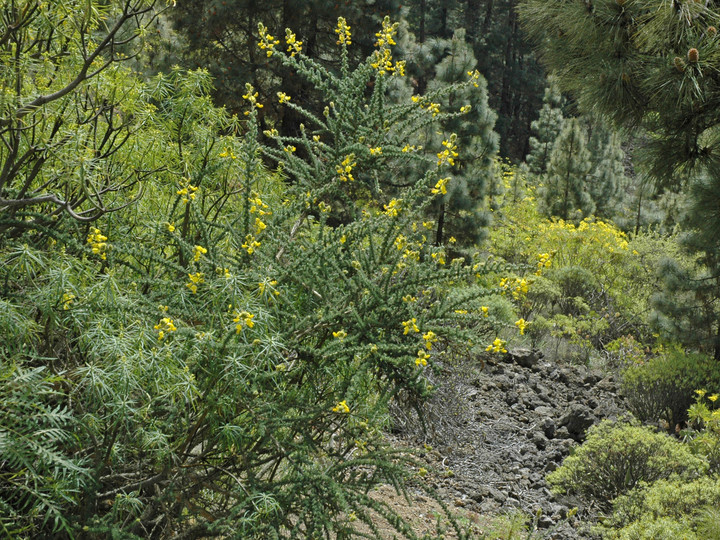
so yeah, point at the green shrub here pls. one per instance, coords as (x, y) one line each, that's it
(218, 358)
(663, 388)
(675, 504)
(617, 457)
(703, 436)
(654, 529)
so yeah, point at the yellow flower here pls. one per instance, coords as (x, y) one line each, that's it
(195, 280)
(290, 149)
(98, 243)
(430, 337)
(187, 192)
(422, 358)
(267, 42)
(498, 346)
(701, 393)
(294, 45)
(340, 334)
(392, 208)
(521, 324)
(68, 299)
(243, 318)
(170, 227)
(385, 36)
(375, 151)
(250, 244)
(345, 168)
(485, 310)
(343, 239)
(464, 109)
(283, 97)
(440, 186)
(341, 407)
(165, 325)
(343, 32)
(713, 398)
(410, 326)
(450, 153)
(198, 252)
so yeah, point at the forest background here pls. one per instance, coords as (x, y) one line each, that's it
(236, 235)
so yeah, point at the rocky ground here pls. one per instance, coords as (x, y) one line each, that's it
(493, 434)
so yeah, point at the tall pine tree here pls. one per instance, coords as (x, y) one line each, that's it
(608, 177)
(545, 129)
(564, 192)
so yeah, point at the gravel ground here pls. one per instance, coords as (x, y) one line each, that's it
(493, 433)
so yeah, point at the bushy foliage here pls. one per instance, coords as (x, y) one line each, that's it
(703, 436)
(664, 509)
(224, 350)
(616, 457)
(663, 387)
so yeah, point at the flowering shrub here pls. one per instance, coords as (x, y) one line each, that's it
(224, 351)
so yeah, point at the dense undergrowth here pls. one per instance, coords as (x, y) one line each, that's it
(204, 321)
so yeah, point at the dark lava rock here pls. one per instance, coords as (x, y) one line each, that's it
(577, 419)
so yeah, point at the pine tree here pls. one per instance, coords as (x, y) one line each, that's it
(461, 214)
(565, 191)
(607, 177)
(546, 129)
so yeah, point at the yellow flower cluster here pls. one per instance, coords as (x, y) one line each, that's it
(250, 244)
(430, 337)
(434, 108)
(384, 63)
(518, 287)
(411, 148)
(450, 153)
(440, 186)
(251, 96)
(68, 299)
(243, 318)
(227, 152)
(268, 284)
(198, 251)
(400, 242)
(438, 257)
(294, 44)
(544, 261)
(165, 325)
(465, 109)
(410, 326)
(341, 407)
(340, 334)
(187, 192)
(474, 77)
(98, 243)
(283, 97)
(343, 32)
(267, 42)
(485, 311)
(345, 168)
(521, 324)
(257, 205)
(393, 208)
(497, 346)
(195, 280)
(375, 151)
(387, 33)
(422, 358)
